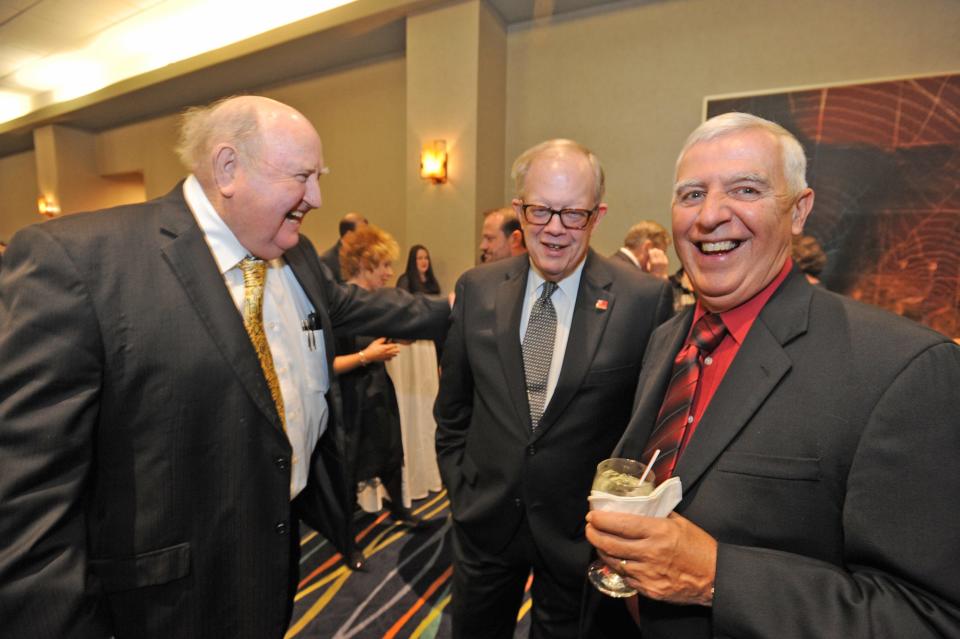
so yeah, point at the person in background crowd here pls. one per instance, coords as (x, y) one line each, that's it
(331, 257)
(500, 236)
(419, 277)
(536, 383)
(374, 447)
(809, 257)
(814, 436)
(165, 420)
(683, 294)
(645, 246)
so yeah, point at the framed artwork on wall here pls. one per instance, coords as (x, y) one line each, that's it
(884, 161)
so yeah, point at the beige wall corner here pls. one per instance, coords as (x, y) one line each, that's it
(18, 193)
(456, 59)
(68, 174)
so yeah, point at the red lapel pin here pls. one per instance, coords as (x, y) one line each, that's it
(602, 305)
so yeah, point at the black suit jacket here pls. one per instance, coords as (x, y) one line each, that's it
(144, 481)
(494, 467)
(331, 259)
(825, 468)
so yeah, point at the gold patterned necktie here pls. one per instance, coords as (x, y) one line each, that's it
(254, 276)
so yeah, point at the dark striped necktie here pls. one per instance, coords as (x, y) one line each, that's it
(676, 412)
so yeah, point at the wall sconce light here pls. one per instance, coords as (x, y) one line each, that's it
(47, 206)
(433, 162)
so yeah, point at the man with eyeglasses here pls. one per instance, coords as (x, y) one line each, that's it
(537, 383)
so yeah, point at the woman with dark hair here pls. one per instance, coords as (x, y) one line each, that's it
(419, 278)
(374, 443)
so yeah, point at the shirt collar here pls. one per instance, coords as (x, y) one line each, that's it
(226, 248)
(629, 253)
(738, 320)
(569, 285)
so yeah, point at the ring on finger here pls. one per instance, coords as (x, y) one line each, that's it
(623, 565)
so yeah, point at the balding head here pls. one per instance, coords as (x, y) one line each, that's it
(350, 222)
(258, 161)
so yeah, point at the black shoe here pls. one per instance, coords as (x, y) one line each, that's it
(356, 561)
(404, 517)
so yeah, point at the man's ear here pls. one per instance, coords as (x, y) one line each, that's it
(516, 241)
(601, 211)
(225, 167)
(801, 209)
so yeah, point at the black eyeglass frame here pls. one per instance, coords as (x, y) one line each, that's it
(559, 213)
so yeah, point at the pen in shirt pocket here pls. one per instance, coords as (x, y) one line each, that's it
(310, 325)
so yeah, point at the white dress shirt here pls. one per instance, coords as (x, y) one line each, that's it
(302, 371)
(564, 299)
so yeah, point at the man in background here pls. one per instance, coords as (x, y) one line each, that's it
(815, 437)
(645, 246)
(168, 410)
(538, 373)
(500, 236)
(331, 257)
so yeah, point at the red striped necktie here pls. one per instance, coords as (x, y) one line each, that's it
(676, 412)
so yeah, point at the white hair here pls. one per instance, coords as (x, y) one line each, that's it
(794, 158)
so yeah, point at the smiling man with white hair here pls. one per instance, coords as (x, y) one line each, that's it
(814, 436)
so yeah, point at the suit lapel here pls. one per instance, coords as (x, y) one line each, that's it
(586, 329)
(186, 252)
(759, 366)
(508, 307)
(308, 275)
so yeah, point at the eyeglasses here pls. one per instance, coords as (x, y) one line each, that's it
(575, 219)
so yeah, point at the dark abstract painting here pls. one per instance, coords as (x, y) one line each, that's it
(885, 165)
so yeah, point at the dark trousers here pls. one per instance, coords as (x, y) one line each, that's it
(488, 590)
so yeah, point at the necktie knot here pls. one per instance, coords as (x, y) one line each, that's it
(254, 272)
(708, 332)
(547, 292)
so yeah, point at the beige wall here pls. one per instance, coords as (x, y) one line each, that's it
(146, 148)
(360, 115)
(18, 193)
(630, 84)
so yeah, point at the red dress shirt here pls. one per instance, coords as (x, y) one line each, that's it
(738, 322)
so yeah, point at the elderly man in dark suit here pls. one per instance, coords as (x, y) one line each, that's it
(814, 436)
(168, 409)
(537, 377)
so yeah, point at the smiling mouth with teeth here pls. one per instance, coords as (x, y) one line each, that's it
(713, 248)
(295, 215)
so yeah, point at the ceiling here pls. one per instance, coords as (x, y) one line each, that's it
(366, 29)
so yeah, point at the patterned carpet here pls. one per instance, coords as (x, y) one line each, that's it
(403, 593)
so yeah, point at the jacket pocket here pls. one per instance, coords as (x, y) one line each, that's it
(797, 468)
(146, 569)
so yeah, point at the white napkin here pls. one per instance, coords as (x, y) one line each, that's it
(659, 503)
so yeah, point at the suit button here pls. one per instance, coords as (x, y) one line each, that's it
(281, 528)
(531, 451)
(517, 502)
(282, 463)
